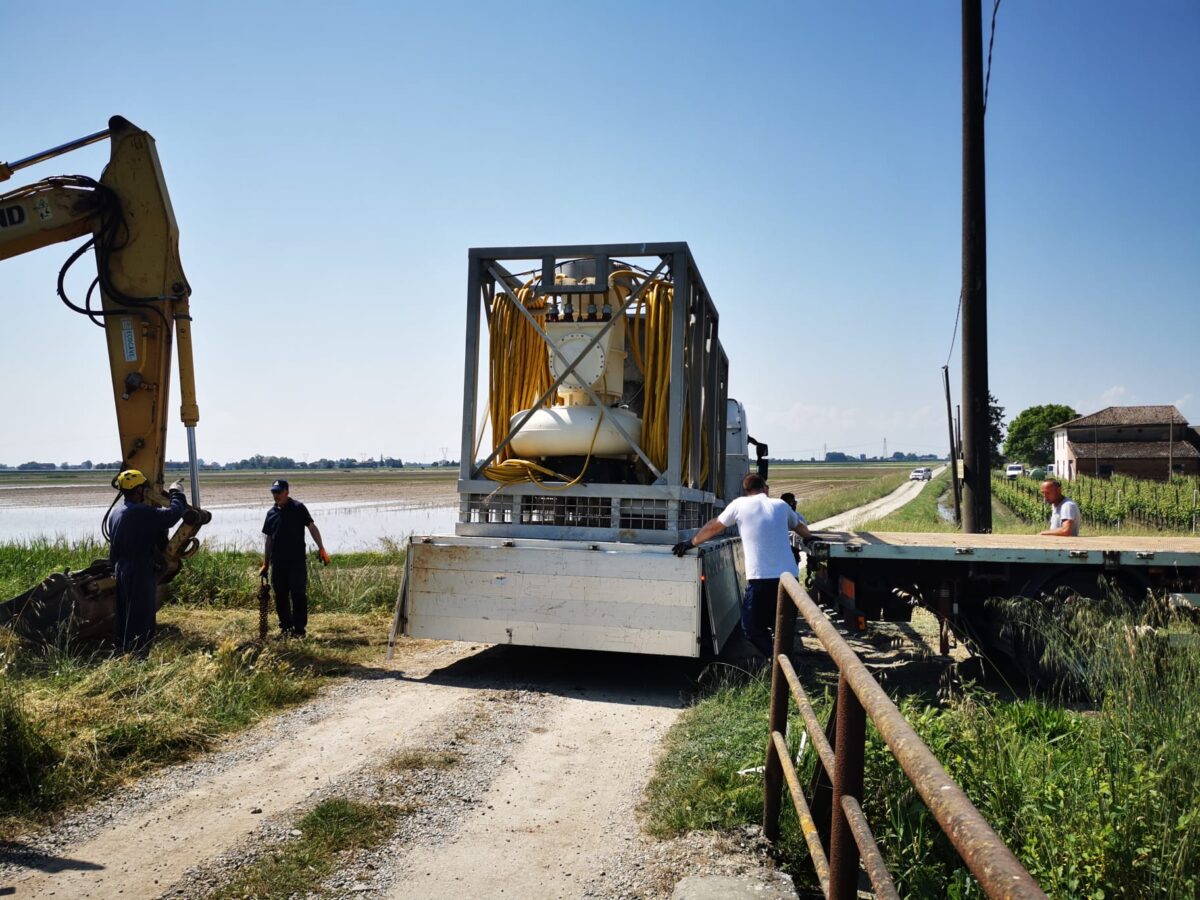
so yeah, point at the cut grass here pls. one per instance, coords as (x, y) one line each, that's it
(75, 725)
(295, 868)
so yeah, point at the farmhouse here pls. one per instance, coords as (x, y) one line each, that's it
(1140, 441)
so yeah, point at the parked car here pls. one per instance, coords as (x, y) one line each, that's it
(922, 473)
(1014, 471)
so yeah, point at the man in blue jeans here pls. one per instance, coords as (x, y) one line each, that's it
(763, 524)
(284, 556)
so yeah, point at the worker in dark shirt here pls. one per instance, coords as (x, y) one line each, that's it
(138, 532)
(284, 556)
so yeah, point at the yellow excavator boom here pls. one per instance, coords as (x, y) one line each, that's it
(142, 294)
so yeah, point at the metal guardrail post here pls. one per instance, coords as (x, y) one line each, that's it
(785, 630)
(849, 751)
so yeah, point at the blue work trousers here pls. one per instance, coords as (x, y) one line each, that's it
(137, 584)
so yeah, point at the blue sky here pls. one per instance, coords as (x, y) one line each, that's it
(331, 164)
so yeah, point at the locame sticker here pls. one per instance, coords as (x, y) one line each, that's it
(44, 210)
(128, 340)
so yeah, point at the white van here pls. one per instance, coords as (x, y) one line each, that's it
(1014, 471)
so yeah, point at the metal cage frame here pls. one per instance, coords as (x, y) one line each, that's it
(699, 389)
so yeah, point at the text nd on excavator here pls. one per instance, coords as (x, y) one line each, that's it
(142, 305)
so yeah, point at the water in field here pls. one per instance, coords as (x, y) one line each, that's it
(348, 525)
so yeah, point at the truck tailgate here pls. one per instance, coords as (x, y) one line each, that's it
(573, 594)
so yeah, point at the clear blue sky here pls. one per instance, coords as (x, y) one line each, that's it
(330, 164)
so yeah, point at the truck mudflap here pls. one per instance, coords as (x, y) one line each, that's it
(583, 595)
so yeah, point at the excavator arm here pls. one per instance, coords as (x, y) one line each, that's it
(139, 297)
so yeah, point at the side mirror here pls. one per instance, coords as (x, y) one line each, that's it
(760, 451)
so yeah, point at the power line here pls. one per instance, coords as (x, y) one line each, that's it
(991, 41)
(954, 334)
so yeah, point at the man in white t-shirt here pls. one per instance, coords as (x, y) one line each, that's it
(1064, 513)
(764, 525)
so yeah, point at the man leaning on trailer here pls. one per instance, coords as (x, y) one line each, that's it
(1064, 513)
(764, 525)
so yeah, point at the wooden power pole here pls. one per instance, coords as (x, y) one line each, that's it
(976, 424)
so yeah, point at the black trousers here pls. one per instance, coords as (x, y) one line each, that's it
(290, 580)
(135, 625)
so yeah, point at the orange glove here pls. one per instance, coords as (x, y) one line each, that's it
(323, 556)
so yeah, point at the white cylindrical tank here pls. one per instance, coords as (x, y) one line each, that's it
(568, 431)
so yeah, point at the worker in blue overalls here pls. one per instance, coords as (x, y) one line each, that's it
(138, 532)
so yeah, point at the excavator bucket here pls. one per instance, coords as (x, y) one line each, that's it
(65, 606)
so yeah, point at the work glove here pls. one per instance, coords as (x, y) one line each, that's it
(174, 486)
(323, 556)
(266, 567)
(681, 548)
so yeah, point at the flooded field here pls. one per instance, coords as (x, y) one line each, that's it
(353, 511)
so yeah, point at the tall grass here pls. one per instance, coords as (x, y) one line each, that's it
(353, 582)
(1096, 800)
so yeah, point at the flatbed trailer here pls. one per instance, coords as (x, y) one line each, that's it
(872, 575)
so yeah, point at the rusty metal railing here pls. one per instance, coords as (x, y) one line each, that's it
(859, 695)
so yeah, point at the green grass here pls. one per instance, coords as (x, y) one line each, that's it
(696, 785)
(74, 724)
(920, 513)
(295, 868)
(1102, 801)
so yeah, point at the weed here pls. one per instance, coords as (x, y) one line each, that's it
(413, 760)
(294, 868)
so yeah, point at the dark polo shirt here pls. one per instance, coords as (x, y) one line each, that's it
(285, 525)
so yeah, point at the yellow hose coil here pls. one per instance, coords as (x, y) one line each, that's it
(520, 373)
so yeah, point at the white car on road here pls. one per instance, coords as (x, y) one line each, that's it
(923, 473)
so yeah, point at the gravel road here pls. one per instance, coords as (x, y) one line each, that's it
(877, 509)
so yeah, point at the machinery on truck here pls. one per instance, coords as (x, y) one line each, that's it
(139, 297)
(602, 381)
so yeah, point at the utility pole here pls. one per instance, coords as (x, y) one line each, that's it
(977, 487)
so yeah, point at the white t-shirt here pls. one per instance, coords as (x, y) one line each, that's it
(764, 524)
(1067, 509)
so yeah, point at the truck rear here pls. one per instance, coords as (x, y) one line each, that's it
(604, 392)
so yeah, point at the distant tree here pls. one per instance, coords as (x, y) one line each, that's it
(86, 464)
(836, 456)
(32, 466)
(995, 431)
(1029, 438)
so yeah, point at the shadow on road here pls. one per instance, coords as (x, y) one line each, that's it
(24, 857)
(605, 677)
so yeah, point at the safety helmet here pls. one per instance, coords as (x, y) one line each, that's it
(128, 480)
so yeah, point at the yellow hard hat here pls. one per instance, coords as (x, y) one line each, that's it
(128, 480)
